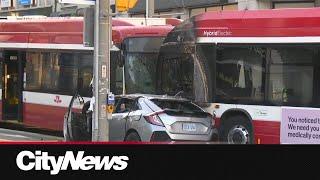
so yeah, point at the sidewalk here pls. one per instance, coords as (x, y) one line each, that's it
(22, 136)
(15, 125)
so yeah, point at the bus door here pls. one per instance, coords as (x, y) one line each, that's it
(12, 85)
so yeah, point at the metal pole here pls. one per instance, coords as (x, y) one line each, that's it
(101, 70)
(95, 113)
(147, 9)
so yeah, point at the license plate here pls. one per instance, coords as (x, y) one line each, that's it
(189, 127)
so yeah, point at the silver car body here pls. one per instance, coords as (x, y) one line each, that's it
(134, 120)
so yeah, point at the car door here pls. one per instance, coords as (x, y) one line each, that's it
(117, 126)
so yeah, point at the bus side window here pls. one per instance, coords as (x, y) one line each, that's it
(239, 74)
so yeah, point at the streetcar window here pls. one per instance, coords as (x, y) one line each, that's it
(68, 73)
(33, 71)
(85, 74)
(49, 79)
(59, 73)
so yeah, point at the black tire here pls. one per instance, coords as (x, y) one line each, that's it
(237, 129)
(133, 136)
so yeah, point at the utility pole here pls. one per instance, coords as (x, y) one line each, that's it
(149, 8)
(102, 34)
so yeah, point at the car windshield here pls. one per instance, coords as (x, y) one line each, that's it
(177, 106)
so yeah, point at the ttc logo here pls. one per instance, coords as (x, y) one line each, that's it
(57, 100)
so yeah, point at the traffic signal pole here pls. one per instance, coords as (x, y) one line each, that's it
(149, 8)
(102, 37)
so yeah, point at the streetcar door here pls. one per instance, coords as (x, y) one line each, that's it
(12, 85)
(77, 124)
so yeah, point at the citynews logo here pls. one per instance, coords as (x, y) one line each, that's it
(42, 161)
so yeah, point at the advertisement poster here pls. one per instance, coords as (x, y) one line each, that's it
(25, 2)
(300, 126)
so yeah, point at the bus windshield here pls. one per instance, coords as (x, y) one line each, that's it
(140, 64)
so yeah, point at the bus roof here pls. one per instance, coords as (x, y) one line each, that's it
(67, 30)
(275, 22)
(123, 32)
(301, 23)
(55, 24)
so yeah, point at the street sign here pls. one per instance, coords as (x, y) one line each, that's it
(25, 2)
(87, 2)
(111, 99)
(104, 71)
(125, 5)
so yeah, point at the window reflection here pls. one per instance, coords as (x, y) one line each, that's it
(58, 73)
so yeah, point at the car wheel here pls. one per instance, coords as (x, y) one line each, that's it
(237, 130)
(132, 136)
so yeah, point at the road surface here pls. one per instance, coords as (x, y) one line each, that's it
(14, 135)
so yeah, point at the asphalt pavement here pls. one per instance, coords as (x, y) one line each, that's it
(15, 135)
